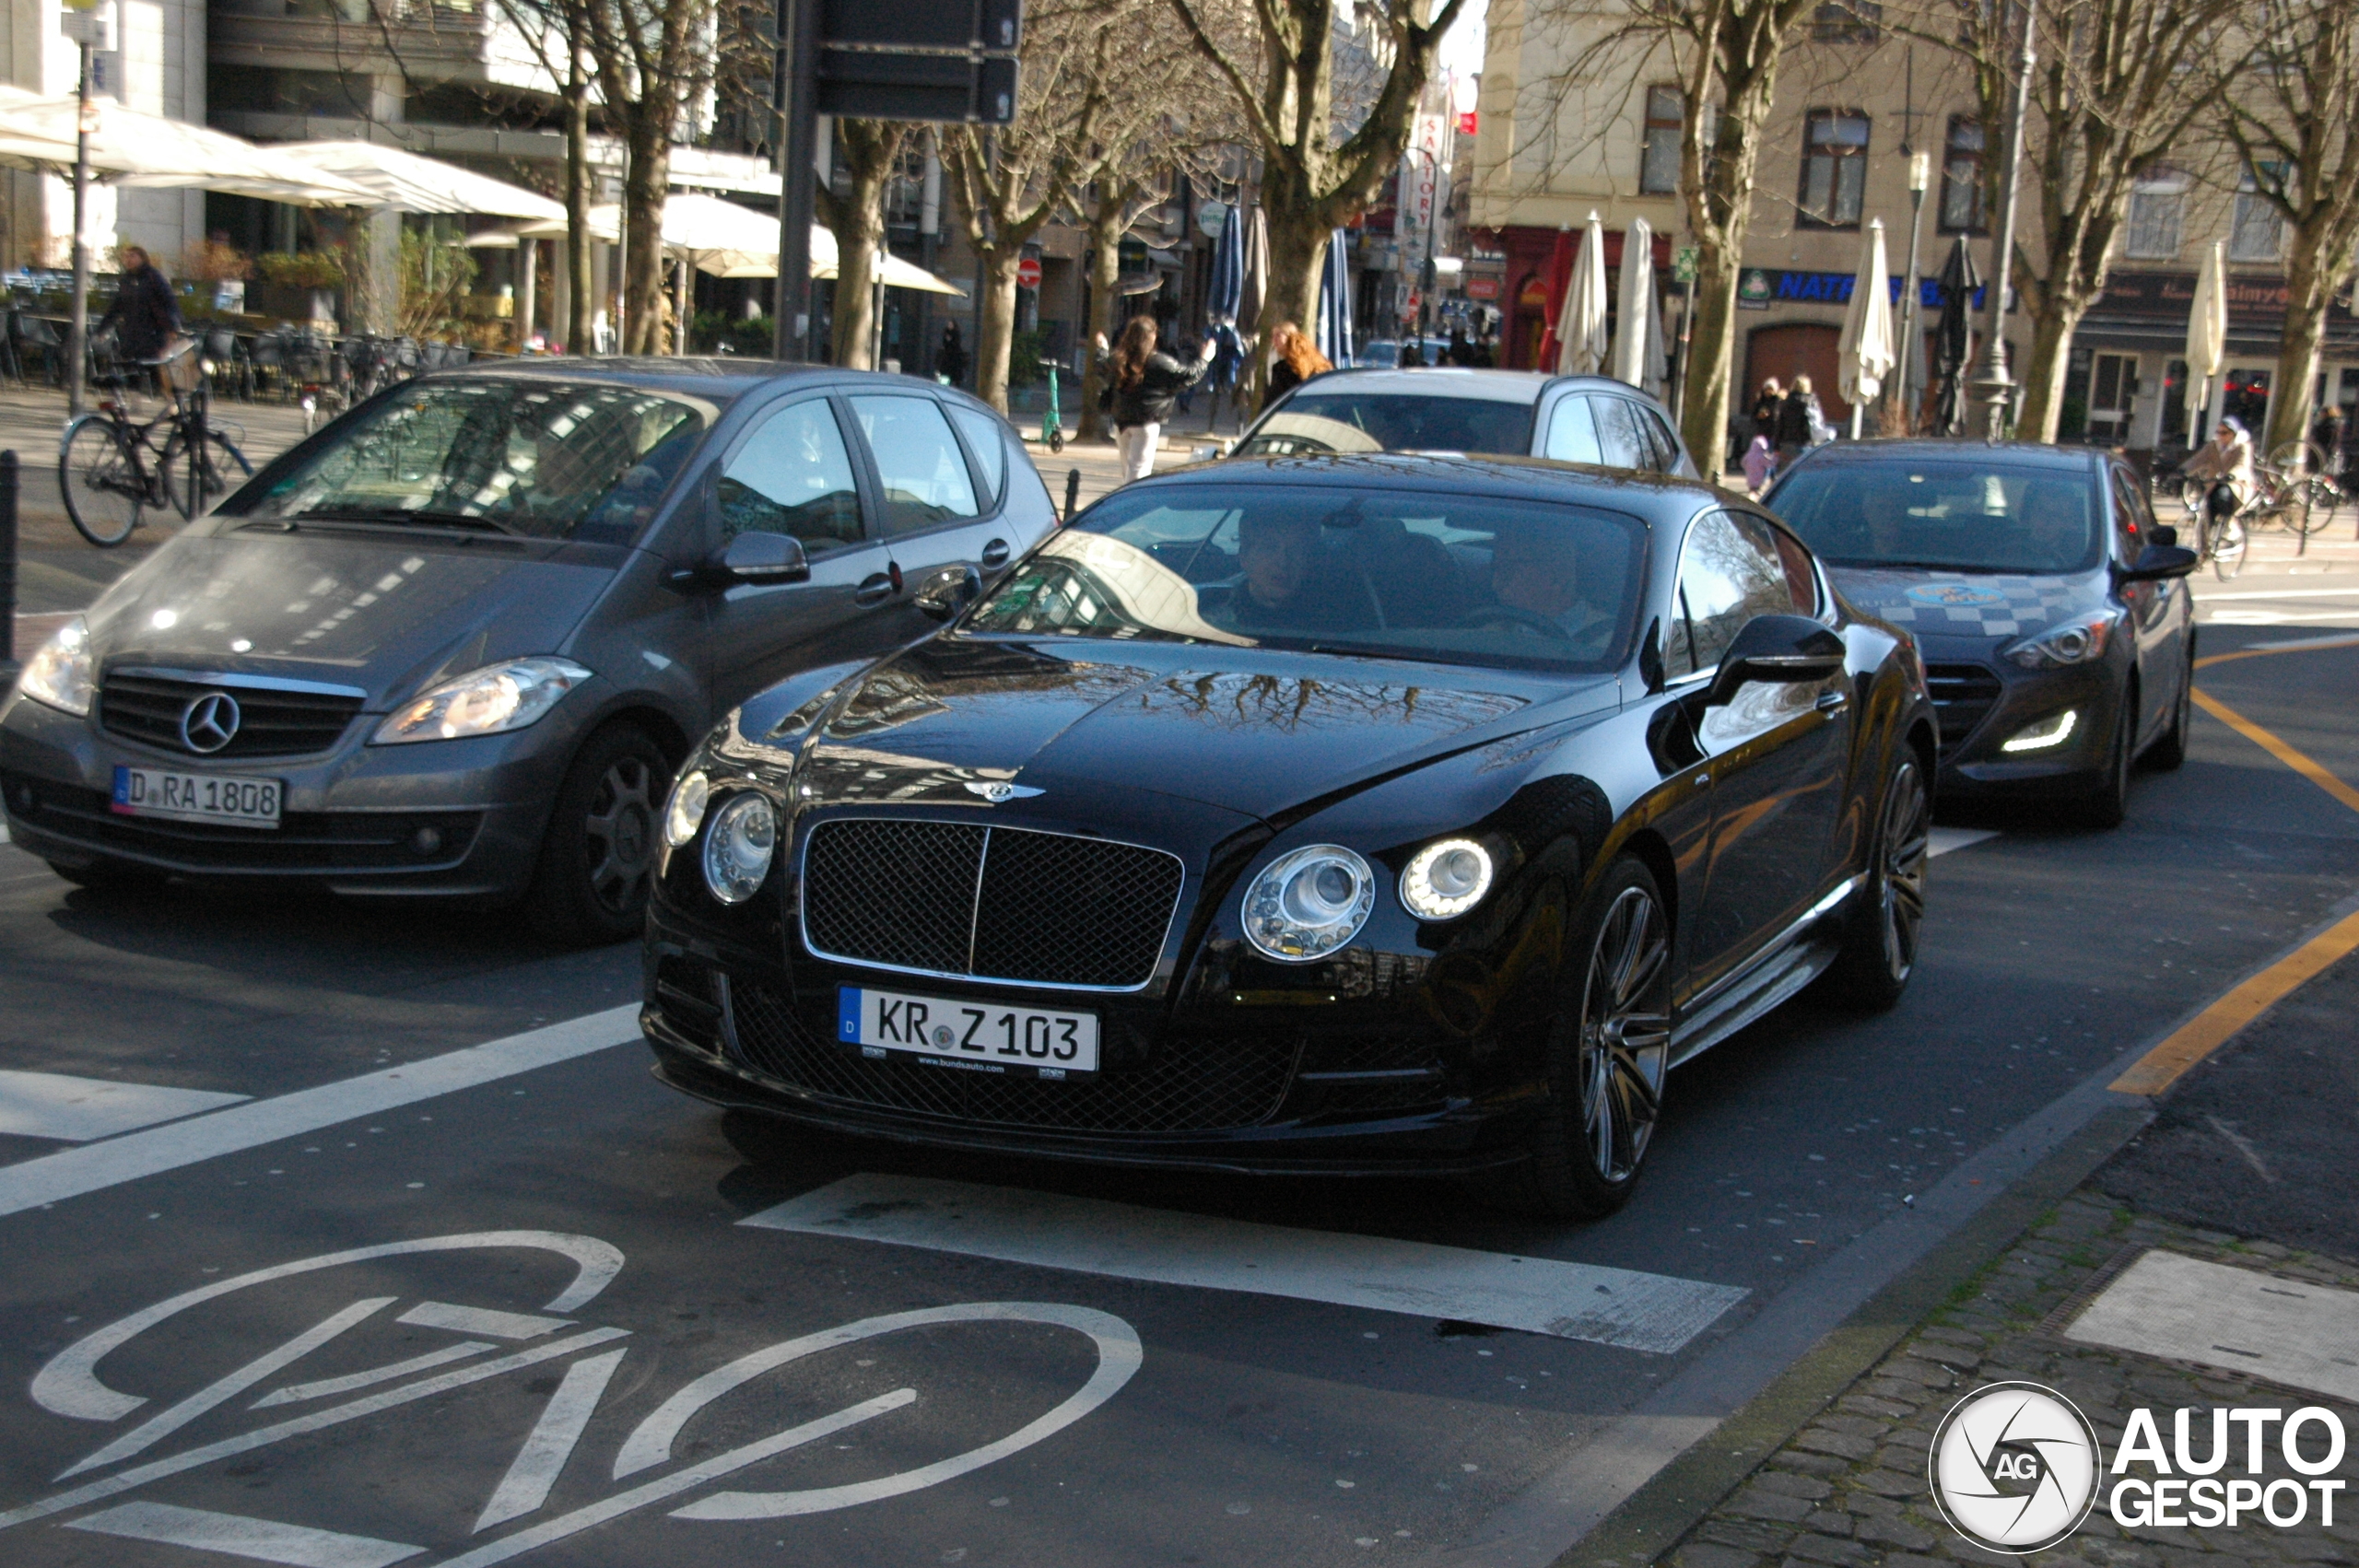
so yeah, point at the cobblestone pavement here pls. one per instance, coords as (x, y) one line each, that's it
(1851, 1490)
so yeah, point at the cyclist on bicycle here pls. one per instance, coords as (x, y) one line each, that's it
(145, 314)
(2225, 465)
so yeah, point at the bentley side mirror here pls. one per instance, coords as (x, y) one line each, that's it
(947, 591)
(2158, 561)
(764, 557)
(1784, 648)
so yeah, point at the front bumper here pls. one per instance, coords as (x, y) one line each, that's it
(1982, 702)
(445, 817)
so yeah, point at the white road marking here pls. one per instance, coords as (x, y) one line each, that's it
(479, 1320)
(536, 1465)
(2285, 1330)
(246, 1443)
(1573, 1301)
(2335, 640)
(70, 1173)
(167, 1421)
(328, 1387)
(1941, 840)
(2208, 597)
(74, 1110)
(67, 1384)
(2235, 617)
(264, 1541)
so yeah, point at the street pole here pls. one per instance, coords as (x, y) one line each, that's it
(1920, 175)
(1992, 379)
(798, 37)
(77, 332)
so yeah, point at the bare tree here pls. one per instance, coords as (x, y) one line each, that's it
(2287, 109)
(654, 62)
(2116, 89)
(870, 152)
(555, 33)
(1279, 59)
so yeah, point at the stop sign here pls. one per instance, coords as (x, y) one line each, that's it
(1027, 273)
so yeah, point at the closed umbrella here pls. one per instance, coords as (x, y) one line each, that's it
(2207, 337)
(1953, 338)
(1559, 277)
(1226, 286)
(1582, 322)
(1636, 323)
(1864, 355)
(1253, 279)
(1335, 334)
(1656, 381)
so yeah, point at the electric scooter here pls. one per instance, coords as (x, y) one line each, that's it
(1052, 422)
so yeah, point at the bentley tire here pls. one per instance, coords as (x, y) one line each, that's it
(598, 855)
(1607, 1049)
(1881, 927)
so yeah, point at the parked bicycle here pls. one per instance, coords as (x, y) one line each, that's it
(112, 469)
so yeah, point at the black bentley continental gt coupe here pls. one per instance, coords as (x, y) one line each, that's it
(1345, 814)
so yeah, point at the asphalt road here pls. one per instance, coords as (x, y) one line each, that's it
(1127, 1410)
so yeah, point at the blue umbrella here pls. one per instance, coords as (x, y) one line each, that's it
(1227, 283)
(1335, 334)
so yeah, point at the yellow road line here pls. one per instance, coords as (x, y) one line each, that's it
(2295, 760)
(2212, 1027)
(2312, 645)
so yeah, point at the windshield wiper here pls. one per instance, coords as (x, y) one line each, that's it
(404, 517)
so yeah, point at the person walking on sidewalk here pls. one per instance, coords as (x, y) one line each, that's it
(1141, 389)
(145, 314)
(1294, 359)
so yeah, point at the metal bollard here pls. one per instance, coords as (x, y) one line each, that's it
(8, 565)
(1073, 493)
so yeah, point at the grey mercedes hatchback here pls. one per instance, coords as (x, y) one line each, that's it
(453, 643)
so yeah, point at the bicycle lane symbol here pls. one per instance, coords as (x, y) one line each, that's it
(69, 1385)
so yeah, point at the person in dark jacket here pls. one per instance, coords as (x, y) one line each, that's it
(1146, 385)
(950, 360)
(1798, 419)
(145, 314)
(1294, 359)
(1765, 410)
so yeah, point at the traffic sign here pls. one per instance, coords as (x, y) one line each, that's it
(878, 84)
(978, 27)
(1027, 273)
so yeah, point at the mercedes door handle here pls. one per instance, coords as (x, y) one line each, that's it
(1834, 702)
(995, 554)
(872, 591)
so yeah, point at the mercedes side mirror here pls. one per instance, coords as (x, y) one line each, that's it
(2158, 561)
(764, 557)
(947, 591)
(1776, 648)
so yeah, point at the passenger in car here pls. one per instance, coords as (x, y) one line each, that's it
(1286, 582)
(1536, 568)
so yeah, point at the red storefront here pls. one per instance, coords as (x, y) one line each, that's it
(1523, 298)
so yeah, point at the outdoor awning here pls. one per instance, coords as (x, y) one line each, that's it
(734, 242)
(408, 182)
(132, 148)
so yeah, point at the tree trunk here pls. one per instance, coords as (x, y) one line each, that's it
(577, 213)
(860, 238)
(2308, 291)
(1297, 254)
(644, 184)
(996, 335)
(2053, 322)
(1106, 227)
(1711, 353)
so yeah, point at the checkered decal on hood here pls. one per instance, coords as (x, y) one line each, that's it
(1959, 606)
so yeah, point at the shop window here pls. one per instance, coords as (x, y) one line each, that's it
(1962, 170)
(2157, 216)
(1835, 168)
(1659, 165)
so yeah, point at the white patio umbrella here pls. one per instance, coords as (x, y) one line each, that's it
(1636, 304)
(132, 148)
(2207, 337)
(412, 183)
(1864, 354)
(747, 250)
(1582, 328)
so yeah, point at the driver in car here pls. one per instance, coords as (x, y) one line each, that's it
(2054, 526)
(1535, 570)
(1280, 588)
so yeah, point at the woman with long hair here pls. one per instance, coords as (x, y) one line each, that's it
(1141, 386)
(1294, 359)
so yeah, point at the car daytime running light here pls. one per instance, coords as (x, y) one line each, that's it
(737, 850)
(489, 701)
(2052, 730)
(1308, 903)
(60, 673)
(2077, 641)
(684, 814)
(1445, 879)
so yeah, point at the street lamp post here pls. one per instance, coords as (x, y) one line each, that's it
(1920, 175)
(1991, 380)
(87, 25)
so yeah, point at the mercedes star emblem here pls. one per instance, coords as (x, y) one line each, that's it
(998, 790)
(210, 722)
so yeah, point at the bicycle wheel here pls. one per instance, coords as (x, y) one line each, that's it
(2320, 502)
(196, 479)
(103, 487)
(2228, 548)
(2297, 456)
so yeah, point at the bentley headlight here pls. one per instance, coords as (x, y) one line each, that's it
(488, 701)
(737, 850)
(2077, 641)
(1308, 903)
(1445, 879)
(686, 813)
(59, 674)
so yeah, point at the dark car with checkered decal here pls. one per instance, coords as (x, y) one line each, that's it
(2059, 641)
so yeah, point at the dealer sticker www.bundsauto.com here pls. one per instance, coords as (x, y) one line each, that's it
(2016, 1467)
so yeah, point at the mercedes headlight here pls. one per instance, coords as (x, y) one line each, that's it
(1307, 904)
(1445, 879)
(686, 812)
(488, 701)
(737, 850)
(60, 674)
(2077, 641)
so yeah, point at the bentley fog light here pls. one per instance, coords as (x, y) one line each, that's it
(737, 851)
(60, 673)
(686, 813)
(2052, 730)
(1444, 880)
(1307, 904)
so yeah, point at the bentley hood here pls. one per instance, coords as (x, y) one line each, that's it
(1252, 730)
